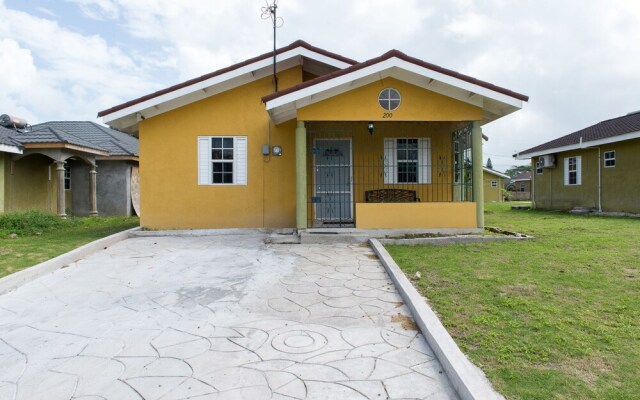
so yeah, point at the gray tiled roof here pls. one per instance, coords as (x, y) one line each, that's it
(45, 134)
(115, 142)
(7, 137)
(602, 130)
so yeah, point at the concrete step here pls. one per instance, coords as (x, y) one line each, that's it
(332, 237)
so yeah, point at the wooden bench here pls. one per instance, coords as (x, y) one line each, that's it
(390, 196)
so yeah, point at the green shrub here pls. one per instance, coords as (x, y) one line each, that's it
(29, 223)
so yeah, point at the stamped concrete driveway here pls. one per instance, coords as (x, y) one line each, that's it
(215, 317)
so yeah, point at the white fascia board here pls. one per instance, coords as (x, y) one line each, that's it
(496, 173)
(389, 64)
(10, 149)
(216, 80)
(578, 146)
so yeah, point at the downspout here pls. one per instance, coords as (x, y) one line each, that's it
(533, 183)
(599, 182)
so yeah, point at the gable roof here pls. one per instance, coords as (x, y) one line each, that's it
(608, 131)
(522, 176)
(115, 142)
(7, 142)
(123, 116)
(49, 135)
(495, 101)
(496, 173)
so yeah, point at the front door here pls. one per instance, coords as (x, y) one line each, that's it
(333, 197)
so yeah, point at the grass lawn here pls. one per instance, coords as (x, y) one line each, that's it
(51, 238)
(557, 317)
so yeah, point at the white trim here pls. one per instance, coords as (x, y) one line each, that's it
(243, 75)
(493, 172)
(578, 146)
(604, 159)
(5, 148)
(240, 161)
(397, 68)
(578, 171)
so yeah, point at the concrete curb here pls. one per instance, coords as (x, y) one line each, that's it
(15, 280)
(468, 380)
(441, 241)
(199, 232)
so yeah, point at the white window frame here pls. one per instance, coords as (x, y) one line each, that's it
(67, 177)
(494, 183)
(577, 169)
(523, 186)
(391, 163)
(539, 169)
(205, 161)
(613, 159)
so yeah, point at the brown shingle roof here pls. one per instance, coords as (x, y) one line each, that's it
(612, 127)
(402, 56)
(296, 44)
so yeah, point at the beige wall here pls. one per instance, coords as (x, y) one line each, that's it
(492, 193)
(2, 181)
(29, 186)
(620, 185)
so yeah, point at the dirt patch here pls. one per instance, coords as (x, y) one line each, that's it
(520, 289)
(630, 272)
(372, 256)
(406, 322)
(586, 369)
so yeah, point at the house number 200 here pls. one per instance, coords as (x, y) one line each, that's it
(387, 115)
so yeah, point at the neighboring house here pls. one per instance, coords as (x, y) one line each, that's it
(493, 182)
(596, 167)
(393, 142)
(521, 186)
(69, 166)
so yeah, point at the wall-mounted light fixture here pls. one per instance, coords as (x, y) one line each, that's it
(370, 127)
(276, 151)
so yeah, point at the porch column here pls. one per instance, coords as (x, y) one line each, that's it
(93, 212)
(60, 189)
(476, 157)
(301, 176)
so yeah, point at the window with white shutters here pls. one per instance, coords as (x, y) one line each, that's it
(407, 160)
(222, 160)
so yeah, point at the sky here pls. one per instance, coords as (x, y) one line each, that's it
(578, 61)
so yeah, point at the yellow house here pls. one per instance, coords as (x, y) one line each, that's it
(493, 184)
(328, 142)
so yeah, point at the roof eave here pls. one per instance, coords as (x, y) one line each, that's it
(578, 146)
(126, 117)
(497, 104)
(5, 148)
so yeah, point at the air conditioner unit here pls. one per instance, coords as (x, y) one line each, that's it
(548, 161)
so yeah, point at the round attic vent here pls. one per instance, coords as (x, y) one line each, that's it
(389, 99)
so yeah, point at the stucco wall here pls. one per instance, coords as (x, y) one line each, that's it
(112, 182)
(492, 193)
(29, 186)
(170, 196)
(113, 187)
(620, 185)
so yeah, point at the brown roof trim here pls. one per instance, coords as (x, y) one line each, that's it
(296, 44)
(60, 145)
(402, 56)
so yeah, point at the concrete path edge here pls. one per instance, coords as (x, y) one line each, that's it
(17, 279)
(468, 380)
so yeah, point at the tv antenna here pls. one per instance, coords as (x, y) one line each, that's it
(271, 11)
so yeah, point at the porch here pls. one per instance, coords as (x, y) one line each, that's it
(389, 175)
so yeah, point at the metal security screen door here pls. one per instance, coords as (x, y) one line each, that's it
(333, 191)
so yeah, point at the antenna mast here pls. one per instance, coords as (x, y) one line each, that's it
(270, 11)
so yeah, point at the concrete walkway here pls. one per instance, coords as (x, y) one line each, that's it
(215, 317)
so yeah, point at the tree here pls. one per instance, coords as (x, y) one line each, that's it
(517, 169)
(489, 163)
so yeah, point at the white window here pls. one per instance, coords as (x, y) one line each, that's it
(573, 171)
(539, 169)
(407, 160)
(522, 186)
(610, 159)
(222, 160)
(494, 183)
(67, 177)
